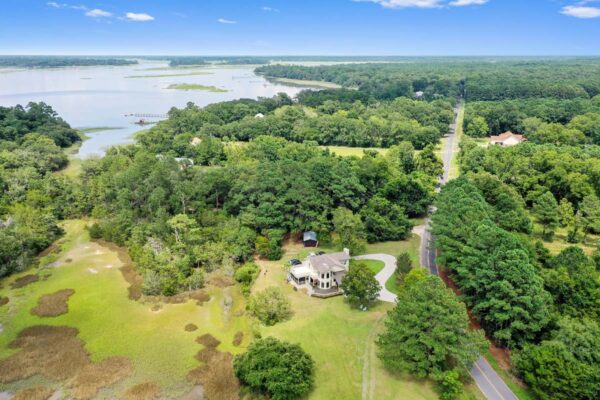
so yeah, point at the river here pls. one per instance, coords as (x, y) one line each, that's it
(91, 97)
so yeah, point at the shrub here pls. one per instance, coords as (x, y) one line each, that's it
(245, 275)
(270, 306)
(95, 231)
(281, 369)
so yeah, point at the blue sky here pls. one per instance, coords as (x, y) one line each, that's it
(301, 27)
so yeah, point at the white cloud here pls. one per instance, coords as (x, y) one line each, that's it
(98, 13)
(139, 17)
(406, 3)
(462, 3)
(226, 21)
(55, 4)
(423, 3)
(269, 9)
(581, 12)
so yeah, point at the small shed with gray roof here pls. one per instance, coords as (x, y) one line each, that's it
(310, 239)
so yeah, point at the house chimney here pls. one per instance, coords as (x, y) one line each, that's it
(347, 250)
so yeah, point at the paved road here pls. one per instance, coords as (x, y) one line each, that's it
(488, 381)
(383, 275)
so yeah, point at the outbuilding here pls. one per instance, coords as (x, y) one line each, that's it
(310, 239)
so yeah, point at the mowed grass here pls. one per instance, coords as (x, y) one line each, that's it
(374, 265)
(110, 324)
(454, 165)
(346, 151)
(339, 338)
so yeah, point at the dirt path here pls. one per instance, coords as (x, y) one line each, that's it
(368, 375)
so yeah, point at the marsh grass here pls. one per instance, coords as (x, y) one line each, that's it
(54, 304)
(34, 393)
(91, 378)
(142, 391)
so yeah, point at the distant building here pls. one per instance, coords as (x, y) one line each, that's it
(321, 274)
(419, 94)
(310, 239)
(259, 115)
(507, 139)
(196, 141)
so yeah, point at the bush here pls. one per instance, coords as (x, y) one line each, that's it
(270, 306)
(95, 231)
(245, 275)
(281, 369)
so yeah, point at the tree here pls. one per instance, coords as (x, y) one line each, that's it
(281, 369)
(384, 221)
(404, 265)
(566, 367)
(566, 213)
(477, 127)
(590, 214)
(546, 211)
(427, 333)
(270, 306)
(360, 286)
(429, 163)
(350, 230)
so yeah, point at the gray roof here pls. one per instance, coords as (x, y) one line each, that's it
(310, 235)
(333, 262)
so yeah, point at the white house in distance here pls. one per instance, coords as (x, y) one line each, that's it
(321, 274)
(507, 139)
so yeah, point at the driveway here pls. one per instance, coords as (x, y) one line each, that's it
(383, 275)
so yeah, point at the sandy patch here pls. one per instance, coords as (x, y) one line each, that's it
(93, 271)
(109, 266)
(98, 252)
(54, 304)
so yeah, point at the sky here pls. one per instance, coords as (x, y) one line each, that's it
(300, 27)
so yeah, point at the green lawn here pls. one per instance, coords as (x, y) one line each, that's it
(346, 151)
(340, 340)
(454, 167)
(111, 324)
(373, 265)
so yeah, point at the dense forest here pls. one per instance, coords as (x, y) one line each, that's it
(333, 118)
(475, 79)
(179, 219)
(60, 61)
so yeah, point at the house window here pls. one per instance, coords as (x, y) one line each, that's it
(327, 285)
(328, 275)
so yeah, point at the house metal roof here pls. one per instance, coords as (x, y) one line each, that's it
(332, 262)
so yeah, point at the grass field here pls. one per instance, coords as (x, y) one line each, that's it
(194, 86)
(454, 167)
(374, 265)
(110, 324)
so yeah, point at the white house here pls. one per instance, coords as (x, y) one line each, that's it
(321, 274)
(507, 139)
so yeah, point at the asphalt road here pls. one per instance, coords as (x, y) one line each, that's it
(488, 381)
